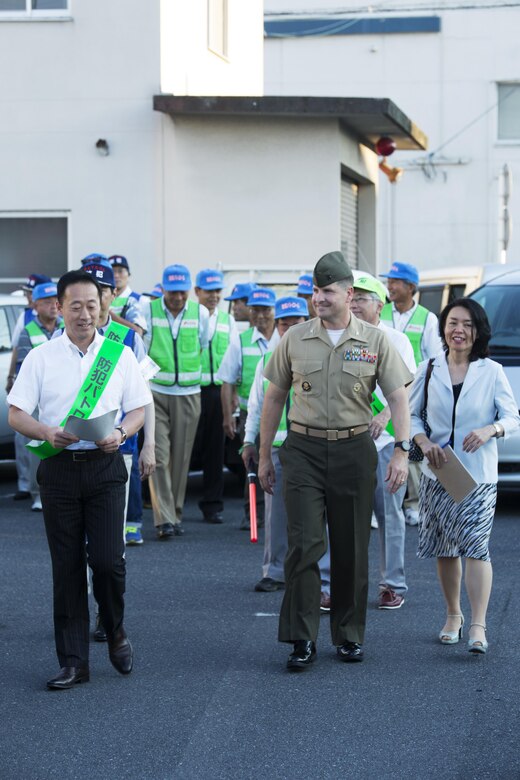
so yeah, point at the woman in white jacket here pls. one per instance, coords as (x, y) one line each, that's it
(470, 405)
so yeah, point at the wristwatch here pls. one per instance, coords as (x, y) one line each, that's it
(403, 445)
(124, 435)
(498, 430)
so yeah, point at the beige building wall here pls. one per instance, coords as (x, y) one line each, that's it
(260, 192)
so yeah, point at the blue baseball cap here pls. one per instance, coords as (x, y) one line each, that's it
(102, 273)
(408, 273)
(120, 261)
(46, 290)
(156, 292)
(33, 280)
(241, 291)
(305, 284)
(176, 278)
(95, 257)
(209, 279)
(261, 296)
(290, 306)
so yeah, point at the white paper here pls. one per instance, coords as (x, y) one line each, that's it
(149, 368)
(92, 429)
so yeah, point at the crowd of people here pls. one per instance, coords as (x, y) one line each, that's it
(316, 385)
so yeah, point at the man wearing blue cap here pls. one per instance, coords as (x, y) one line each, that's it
(304, 290)
(141, 465)
(237, 373)
(21, 454)
(422, 329)
(125, 307)
(176, 335)
(45, 323)
(209, 441)
(238, 297)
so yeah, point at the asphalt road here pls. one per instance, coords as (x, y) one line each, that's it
(210, 696)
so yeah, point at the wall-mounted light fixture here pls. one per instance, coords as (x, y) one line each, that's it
(102, 147)
(385, 147)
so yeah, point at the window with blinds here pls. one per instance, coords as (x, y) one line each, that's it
(349, 221)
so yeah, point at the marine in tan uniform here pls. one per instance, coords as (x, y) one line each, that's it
(329, 460)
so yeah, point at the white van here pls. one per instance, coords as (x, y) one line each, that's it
(439, 286)
(500, 297)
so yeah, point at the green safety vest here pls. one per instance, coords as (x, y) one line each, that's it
(37, 333)
(251, 354)
(120, 304)
(212, 356)
(179, 359)
(89, 394)
(281, 432)
(414, 328)
(377, 407)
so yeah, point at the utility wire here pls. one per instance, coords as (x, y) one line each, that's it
(396, 8)
(474, 121)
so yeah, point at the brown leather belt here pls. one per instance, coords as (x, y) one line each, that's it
(319, 433)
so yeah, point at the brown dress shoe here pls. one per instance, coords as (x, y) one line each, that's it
(67, 677)
(120, 652)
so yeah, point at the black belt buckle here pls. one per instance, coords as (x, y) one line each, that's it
(79, 456)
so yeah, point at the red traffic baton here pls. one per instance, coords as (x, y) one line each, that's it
(251, 478)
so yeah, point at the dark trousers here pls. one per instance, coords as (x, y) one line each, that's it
(335, 479)
(209, 442)
(83, 509)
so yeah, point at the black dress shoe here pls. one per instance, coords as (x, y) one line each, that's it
(120, 652)
(303, 655)
(350, 651)
(99, 634)
(21, 495)
(178, 530)
(68, 677)
(268, 585)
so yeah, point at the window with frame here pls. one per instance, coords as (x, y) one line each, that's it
(508, 112)
(32, 245)
(34, 7)
(218, 27)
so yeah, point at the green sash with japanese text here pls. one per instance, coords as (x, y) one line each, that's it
(90, 393)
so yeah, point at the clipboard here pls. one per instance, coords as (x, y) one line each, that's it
(454, 476)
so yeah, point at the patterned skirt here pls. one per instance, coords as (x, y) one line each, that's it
(450, 530)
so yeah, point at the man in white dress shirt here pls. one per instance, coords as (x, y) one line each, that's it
(367, 302)
(82, 483)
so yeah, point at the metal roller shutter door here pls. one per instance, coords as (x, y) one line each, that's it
(349, 221)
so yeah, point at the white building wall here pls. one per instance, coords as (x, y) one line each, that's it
(189, 67)
(66, 84)
(445, 81)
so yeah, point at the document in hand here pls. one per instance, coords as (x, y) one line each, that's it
(93, 428)
(454, 476)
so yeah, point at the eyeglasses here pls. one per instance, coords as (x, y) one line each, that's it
(362, 299)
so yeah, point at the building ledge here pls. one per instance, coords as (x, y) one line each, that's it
(368, 118)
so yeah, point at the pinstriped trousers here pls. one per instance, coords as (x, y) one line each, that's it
(83, 509)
